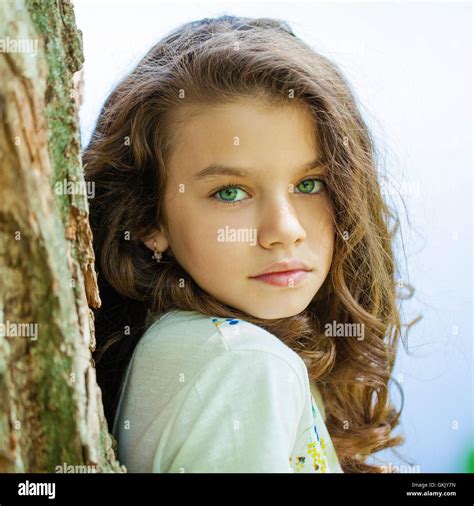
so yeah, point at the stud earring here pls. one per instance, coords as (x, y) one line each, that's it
(157, 254)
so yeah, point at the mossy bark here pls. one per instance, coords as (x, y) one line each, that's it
(51, 410)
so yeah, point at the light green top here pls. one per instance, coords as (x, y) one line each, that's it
(219, 395)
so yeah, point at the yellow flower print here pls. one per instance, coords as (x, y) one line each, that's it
(299, 464)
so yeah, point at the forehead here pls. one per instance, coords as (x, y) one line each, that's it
(245, 132)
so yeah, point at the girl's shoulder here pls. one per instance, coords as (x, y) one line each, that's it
(199, 335)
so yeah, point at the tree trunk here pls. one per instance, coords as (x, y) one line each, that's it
(51, 410)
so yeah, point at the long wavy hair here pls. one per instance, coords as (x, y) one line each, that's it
(212, 61)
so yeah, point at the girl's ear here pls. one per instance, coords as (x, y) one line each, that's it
(158, 241)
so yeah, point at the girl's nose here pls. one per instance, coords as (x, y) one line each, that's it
(279, 224)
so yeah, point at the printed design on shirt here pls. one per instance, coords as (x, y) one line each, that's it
(314, 418)
(222, 321)
(316, 455)
(229, 327)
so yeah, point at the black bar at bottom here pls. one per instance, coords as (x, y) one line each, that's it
(237, 489)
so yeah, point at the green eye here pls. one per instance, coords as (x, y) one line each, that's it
(228, 194)
(308, 185)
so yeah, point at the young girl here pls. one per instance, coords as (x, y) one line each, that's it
(249, 319)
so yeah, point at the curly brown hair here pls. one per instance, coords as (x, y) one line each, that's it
(126, 159)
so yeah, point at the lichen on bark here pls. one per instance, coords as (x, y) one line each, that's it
(50, 405)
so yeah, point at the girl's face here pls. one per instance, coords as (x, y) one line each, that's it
(276, 209)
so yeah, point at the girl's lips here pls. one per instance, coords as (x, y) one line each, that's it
(288, 278)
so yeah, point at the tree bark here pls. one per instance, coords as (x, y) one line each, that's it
(51, 414)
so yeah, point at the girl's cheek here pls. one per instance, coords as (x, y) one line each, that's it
(235, 217)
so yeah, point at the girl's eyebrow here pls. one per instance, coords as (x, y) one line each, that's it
(217, 169)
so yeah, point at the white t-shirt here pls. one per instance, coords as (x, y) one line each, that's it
(205, 394)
